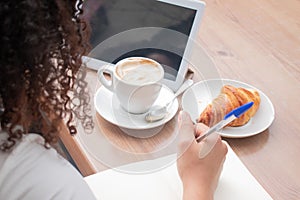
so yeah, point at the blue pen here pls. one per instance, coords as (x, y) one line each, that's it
(236, 113)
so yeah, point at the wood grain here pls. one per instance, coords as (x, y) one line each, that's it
(256, 42)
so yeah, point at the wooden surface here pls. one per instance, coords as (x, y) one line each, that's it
(257, 42)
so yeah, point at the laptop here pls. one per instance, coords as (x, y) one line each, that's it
(163, 30)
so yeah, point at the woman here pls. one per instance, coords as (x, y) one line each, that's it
(41, 84)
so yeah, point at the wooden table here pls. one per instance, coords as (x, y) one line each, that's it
(257, 42)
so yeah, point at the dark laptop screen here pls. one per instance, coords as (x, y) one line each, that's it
(109, 18)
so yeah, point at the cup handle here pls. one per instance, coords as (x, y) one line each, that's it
(109, 84)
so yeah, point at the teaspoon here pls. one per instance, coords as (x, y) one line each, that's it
(158, 112)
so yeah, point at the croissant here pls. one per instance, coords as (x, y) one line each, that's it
(229, 99)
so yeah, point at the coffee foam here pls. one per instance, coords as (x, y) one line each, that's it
(139, 72)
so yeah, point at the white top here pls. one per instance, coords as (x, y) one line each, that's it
(32, 172)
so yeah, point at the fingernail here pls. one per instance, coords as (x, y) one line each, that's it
(207, 145)
(203, 151)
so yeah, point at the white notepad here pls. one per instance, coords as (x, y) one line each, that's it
(236, 183)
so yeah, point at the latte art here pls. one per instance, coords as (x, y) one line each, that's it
(135, 81)
(139, 72)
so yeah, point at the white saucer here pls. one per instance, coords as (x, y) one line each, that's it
(195, 99)
(108, 106)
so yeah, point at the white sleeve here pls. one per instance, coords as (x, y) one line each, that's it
(33, 172)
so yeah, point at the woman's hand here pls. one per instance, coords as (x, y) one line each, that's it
(199, 164)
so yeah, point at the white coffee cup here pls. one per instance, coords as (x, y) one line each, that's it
(135, 81)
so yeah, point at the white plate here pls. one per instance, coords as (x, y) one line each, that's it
(202, 93)
(108, 106)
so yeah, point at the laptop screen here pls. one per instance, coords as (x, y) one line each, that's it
(110, 18)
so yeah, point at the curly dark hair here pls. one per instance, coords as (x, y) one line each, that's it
(42, 74)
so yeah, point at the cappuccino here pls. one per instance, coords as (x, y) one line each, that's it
(137, 71)
(135, 81)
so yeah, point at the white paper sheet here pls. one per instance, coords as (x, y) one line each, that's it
(236, 183)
